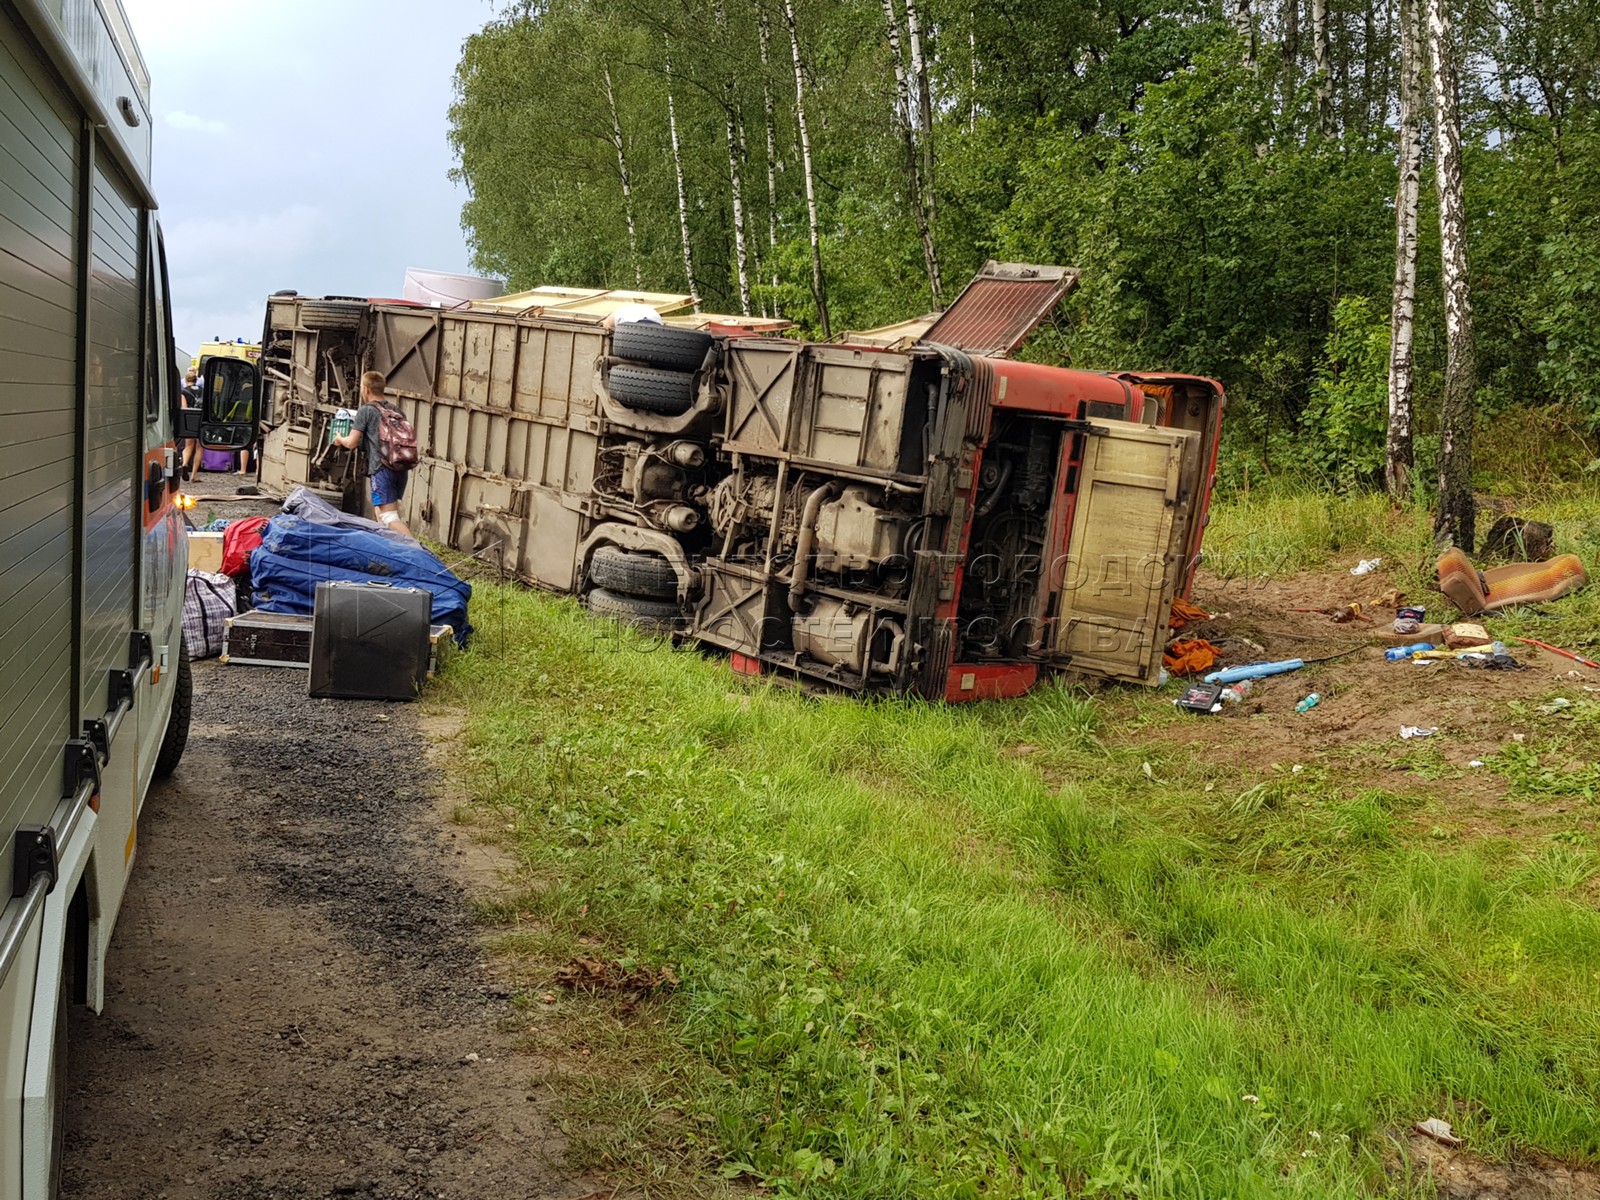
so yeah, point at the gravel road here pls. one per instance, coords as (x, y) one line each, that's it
(298, 1005)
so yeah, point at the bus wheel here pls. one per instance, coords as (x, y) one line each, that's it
(177, 735)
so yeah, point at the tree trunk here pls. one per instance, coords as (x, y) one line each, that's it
(1319, 57)
(1244, 27)
(972, 64)
(1456, 516)
(924, 122)
(735, 134)
(1291, 52)
(818, 290)
(772, 152)
(904, 121)
(683, 195)
(627, 187)
(1397, 452)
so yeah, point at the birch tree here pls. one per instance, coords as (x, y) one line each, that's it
(1455, 519)
(906, 123)
(735, 137)
(622, 172)
(1319, 59)
(1397, 452)
(683, 194)
(924, 123)
(1243, 22)
(770, 111)
(818, 289)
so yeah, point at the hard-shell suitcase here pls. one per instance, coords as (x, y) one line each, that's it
(369, 641)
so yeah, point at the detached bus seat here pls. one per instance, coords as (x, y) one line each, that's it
(1474, 591)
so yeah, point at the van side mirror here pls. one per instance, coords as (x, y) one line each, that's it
(230, 410)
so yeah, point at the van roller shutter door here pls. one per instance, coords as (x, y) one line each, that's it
(38, 406)
(111, 437)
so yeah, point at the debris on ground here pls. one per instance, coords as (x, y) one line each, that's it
(1189, 656)
(1366, 566)
(612, 975)
(1407, 732)
(1439, 1130)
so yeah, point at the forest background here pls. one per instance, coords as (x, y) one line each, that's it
(1228, 179)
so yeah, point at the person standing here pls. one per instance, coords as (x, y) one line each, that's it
(388, 485)
(190, 397)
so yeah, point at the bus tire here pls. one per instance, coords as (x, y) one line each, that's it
(177, 735)
(633, 573)
(332, 314)
(650, 389)
(661, 345)
(655, 617)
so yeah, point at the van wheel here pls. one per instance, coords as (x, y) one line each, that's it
(177, 735)
(633, 572)
(332, 314)
(650, 389)
(661, 345)
(655, 617)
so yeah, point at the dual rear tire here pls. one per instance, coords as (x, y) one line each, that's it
(636, 587)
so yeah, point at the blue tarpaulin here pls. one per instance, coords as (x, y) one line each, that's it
(295, 555)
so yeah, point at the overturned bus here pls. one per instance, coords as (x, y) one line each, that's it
(911, 514)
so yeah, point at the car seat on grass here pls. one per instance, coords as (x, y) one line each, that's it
(1474, 591)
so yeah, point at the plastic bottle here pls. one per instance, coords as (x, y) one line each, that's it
(1401, 653)
(1234, 693)
(1308, 703)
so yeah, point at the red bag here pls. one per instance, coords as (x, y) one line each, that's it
(397, 440)
(238, 540)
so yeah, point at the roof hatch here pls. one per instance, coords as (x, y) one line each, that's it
(1003, 304)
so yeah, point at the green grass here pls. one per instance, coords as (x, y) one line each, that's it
(916, 962)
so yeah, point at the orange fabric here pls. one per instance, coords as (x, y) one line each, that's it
(1189, 657)
(1184, 613)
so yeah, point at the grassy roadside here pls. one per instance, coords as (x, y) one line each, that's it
(915, 962)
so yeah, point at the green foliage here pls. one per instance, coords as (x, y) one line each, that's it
(1349, 409)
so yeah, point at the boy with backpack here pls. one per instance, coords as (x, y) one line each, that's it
(391, 448)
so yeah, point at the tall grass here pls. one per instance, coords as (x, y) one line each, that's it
(916, 963)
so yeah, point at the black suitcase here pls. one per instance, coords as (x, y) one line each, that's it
(262, 639)
(369, 641)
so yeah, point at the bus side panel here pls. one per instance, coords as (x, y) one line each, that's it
(38, 426)
(112, 434)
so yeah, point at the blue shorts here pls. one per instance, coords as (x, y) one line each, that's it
(387, 487)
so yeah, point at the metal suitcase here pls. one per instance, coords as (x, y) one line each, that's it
(369, 641)
(263, 639)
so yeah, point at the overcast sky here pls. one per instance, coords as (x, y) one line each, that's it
(301, 144)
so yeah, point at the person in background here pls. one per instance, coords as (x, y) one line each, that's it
(190, 397)
(388, 487)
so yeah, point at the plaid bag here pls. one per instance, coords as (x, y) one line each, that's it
(207, 605)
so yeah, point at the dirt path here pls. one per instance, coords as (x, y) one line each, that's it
(298, 1005)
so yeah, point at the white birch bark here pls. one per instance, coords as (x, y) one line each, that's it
(1319, 59)
(1290, 49)
(622, 172)
(1456, 517)
(1243, 22)
(683, 193)
(905, 121)
(772, 152)
(972, 63)
(818, 290)
(734, 128)
(924, 124)
(1398, 444)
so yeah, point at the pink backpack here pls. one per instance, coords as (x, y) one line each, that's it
(397, 440)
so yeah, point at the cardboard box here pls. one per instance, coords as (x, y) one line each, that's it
(205, 551)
